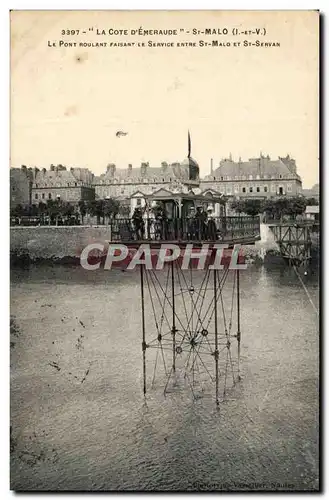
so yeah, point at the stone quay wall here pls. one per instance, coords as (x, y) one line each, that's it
(54, 242)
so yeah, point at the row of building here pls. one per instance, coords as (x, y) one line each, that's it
(260, 177)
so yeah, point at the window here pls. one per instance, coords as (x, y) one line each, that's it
(273, 188)
(43, 196)
(139, 202)
(258, 189)
(243, 189)
(280, 176)
(222, 178)
(75, 184)
(250, 189)
(236, 188)
(36, 196)
(49, 196)
(289, 188)
(228, 190)
(265, 189)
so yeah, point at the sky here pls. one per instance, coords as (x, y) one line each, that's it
(67, 103)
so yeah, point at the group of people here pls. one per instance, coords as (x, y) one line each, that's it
(201, 225)
(197, 225)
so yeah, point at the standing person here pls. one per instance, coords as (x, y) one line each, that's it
(191, 223)
(211, 226)
(138, 223)
(160, 223)
(201, 217)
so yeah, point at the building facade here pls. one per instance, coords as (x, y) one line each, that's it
(116, 183)
(21, 180)
(71, 185)
(259, 178)
(256, 178)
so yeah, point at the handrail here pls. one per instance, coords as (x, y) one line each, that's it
(185, 229)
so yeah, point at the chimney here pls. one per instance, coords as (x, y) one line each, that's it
(144, 169)
(211, 166)
(164, 166)
(130, 168)
(111, 169)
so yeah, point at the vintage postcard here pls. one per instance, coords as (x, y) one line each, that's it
(164, 245)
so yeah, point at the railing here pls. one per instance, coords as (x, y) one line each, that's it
(213, 229)
(44, 221)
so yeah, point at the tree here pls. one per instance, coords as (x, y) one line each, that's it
(249, 206)
(296, 205)
(312, 201)
(17, 211)
(82, 209)
(278, 208)
(96, 208)
(53, 210)
(111, 207)
(238, 206)
(42, 210)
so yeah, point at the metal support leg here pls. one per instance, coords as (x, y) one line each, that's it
(238, 333)
(216, 353)
(173, 330)
(143, 328)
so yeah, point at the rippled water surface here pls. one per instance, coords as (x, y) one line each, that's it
(79, 419)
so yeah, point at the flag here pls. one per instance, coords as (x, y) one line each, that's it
(120, 133)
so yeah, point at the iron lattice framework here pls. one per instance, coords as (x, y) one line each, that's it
(191, 329)
(294, 241)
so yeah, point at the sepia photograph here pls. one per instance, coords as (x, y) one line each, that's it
(164, 251)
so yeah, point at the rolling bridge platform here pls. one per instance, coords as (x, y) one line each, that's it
(190, 318)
